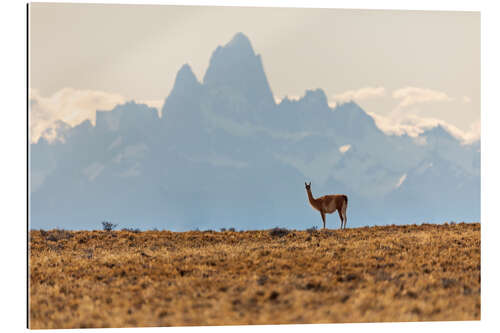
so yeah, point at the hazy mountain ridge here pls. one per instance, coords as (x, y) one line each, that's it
(225, 154)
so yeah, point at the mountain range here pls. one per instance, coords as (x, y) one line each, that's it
(225, 154)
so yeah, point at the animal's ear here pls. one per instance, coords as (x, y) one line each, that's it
(309, 183)
(305, 183)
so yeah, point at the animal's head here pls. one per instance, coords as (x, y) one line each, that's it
(308, 186)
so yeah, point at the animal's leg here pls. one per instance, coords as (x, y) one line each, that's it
(345, 220)
(344, 213)
(323, 218)
(341, 218)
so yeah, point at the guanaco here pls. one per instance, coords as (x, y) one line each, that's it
(328, 204)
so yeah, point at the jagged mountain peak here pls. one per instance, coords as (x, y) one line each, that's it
(237, 70)
(316, 96)
(239, 45)
(186, 90)
(352, 109)
(240, 42)
(129, 114)
(185, 76)
(438, 132)
(350, 105)
(237, 53)
(185, 81)
(352, 116)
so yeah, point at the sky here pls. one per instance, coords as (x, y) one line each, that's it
(410, 70)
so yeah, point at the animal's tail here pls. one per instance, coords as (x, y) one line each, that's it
(345, 198)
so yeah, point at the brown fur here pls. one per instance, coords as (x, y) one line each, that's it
(328, 204)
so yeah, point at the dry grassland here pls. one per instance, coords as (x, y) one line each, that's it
(161, 278)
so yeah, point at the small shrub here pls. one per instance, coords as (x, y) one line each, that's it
(58, 234)
(279, 232)
(222, 229)
(231, 229)
(312, 230)
(108, 226)
(135, 231)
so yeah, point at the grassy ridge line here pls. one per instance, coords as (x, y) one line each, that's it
(162, 278)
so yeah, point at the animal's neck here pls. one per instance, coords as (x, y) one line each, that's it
(311, 198)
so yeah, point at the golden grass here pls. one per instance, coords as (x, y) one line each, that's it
(161, 278)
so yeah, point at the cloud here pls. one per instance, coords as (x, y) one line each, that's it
(134, 171)
(93, 170)
(474, 132)
(413, 95)
(401, 180)
(359, 94)
(343, 149)
(399, 123)
(278, 100)
(70, 106)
